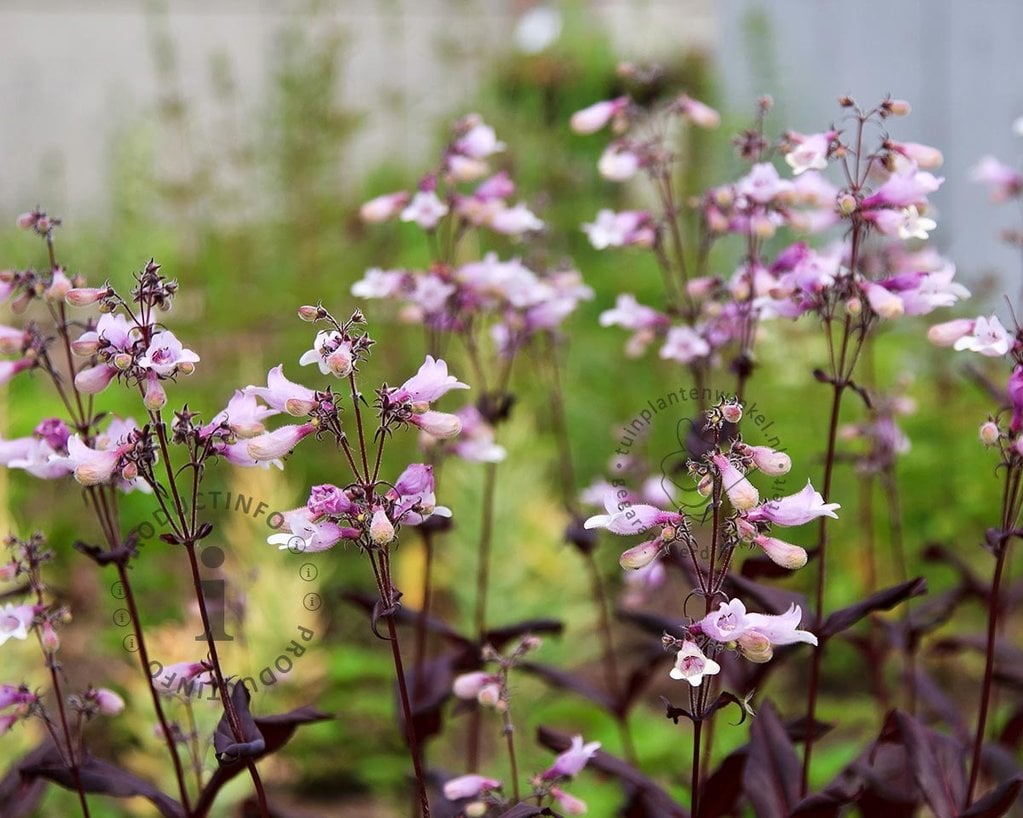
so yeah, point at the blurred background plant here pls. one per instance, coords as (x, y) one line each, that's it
(252, 203)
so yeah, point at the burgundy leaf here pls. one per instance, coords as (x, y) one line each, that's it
(772, 773)
(881, 601)
(723, 788)
(20, 794)
(971, 585)
(499, 637)
(524, 810)
(1012, 733)
(772, 600)
(103, 778)
(570, 681)
(429, 693)
(653, 623)
(937, 764)
(762, 567)
(997, 802)
(277, 731)
(656, 798)
(230, 747)
(404, 616)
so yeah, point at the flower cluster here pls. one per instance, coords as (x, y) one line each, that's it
(722, 472)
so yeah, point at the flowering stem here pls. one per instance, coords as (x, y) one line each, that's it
(611, 676)
(482, 583)
(822, 544)
(694, 806)
(509, 737)
(1011, 502)
(136, 622)
(421, 629)
(410, 728)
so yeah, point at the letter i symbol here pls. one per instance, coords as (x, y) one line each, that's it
(213, 591)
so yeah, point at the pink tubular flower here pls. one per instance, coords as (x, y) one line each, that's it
(331, 353)
(810, 152)
(278, 443)
(383, 208)
(571, 762)
(782, 553)
(91, 466)
(592, 119)
(479, 141)
(327, 499)
(624, 229)
(166, 356)
(377, 283)
(762, 184)
(514, 221)
(905, 188)
(8, 369)
(469, 786)
(413, 495)
(109, 703)
(1003, 182)
(468, 685)
(945, 334)
(95, 379)
(923, 156)
(617, 163)
(741, 492)
(186, 678)
(569, 804)
(86, 296)
(12, 340)
(770, 461)
(988, 338)
(15, 621)
(425, 209)
(284, 395)
(774, 630)
(642, 555)
(691, 664)
(630, 314)
(628, 519)
(882, 301)
(684, 344)
(724, 624)
(243, 415)
(430, 383)
(13, 694)
(300, 534)
(698, 113)
(476, 440)
(796, 509)
(441, 425)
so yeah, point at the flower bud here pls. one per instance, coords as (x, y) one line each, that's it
(129, 472)
(476, 809)
(8, 571)
(846, 204)
(771, 461)
(490, 695)
(439, 424)
(755, 646)
(641, 555)
(85, 348)
(381, 530)
(897, 107)
(946, 334)
(49, 638)
(309, 313)
(86, 296)
(782, 553)
(123, 360)
(155, 398)
(59, 287)
(989, 433)
(468, 685)
(26, 221)
(731, 412)
(109, 703)
(340, 361)
(185, 368)
(854, 306)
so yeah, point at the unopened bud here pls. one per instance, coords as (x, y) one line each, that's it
(129, 472)
(989, 433)
(340, 361)
(155, 398)
(477, 809)
(185, 367)
(489, 695)
(641, 555)
(109, 703)
(854, 306)
(85, 296)
(897, 107)
(123, 360)
(731, 412)
(846, 204)
(381, 530)
(49, 637)
(309, 313)
(26, 221)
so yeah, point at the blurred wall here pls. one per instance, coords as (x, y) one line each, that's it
(73, 73)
